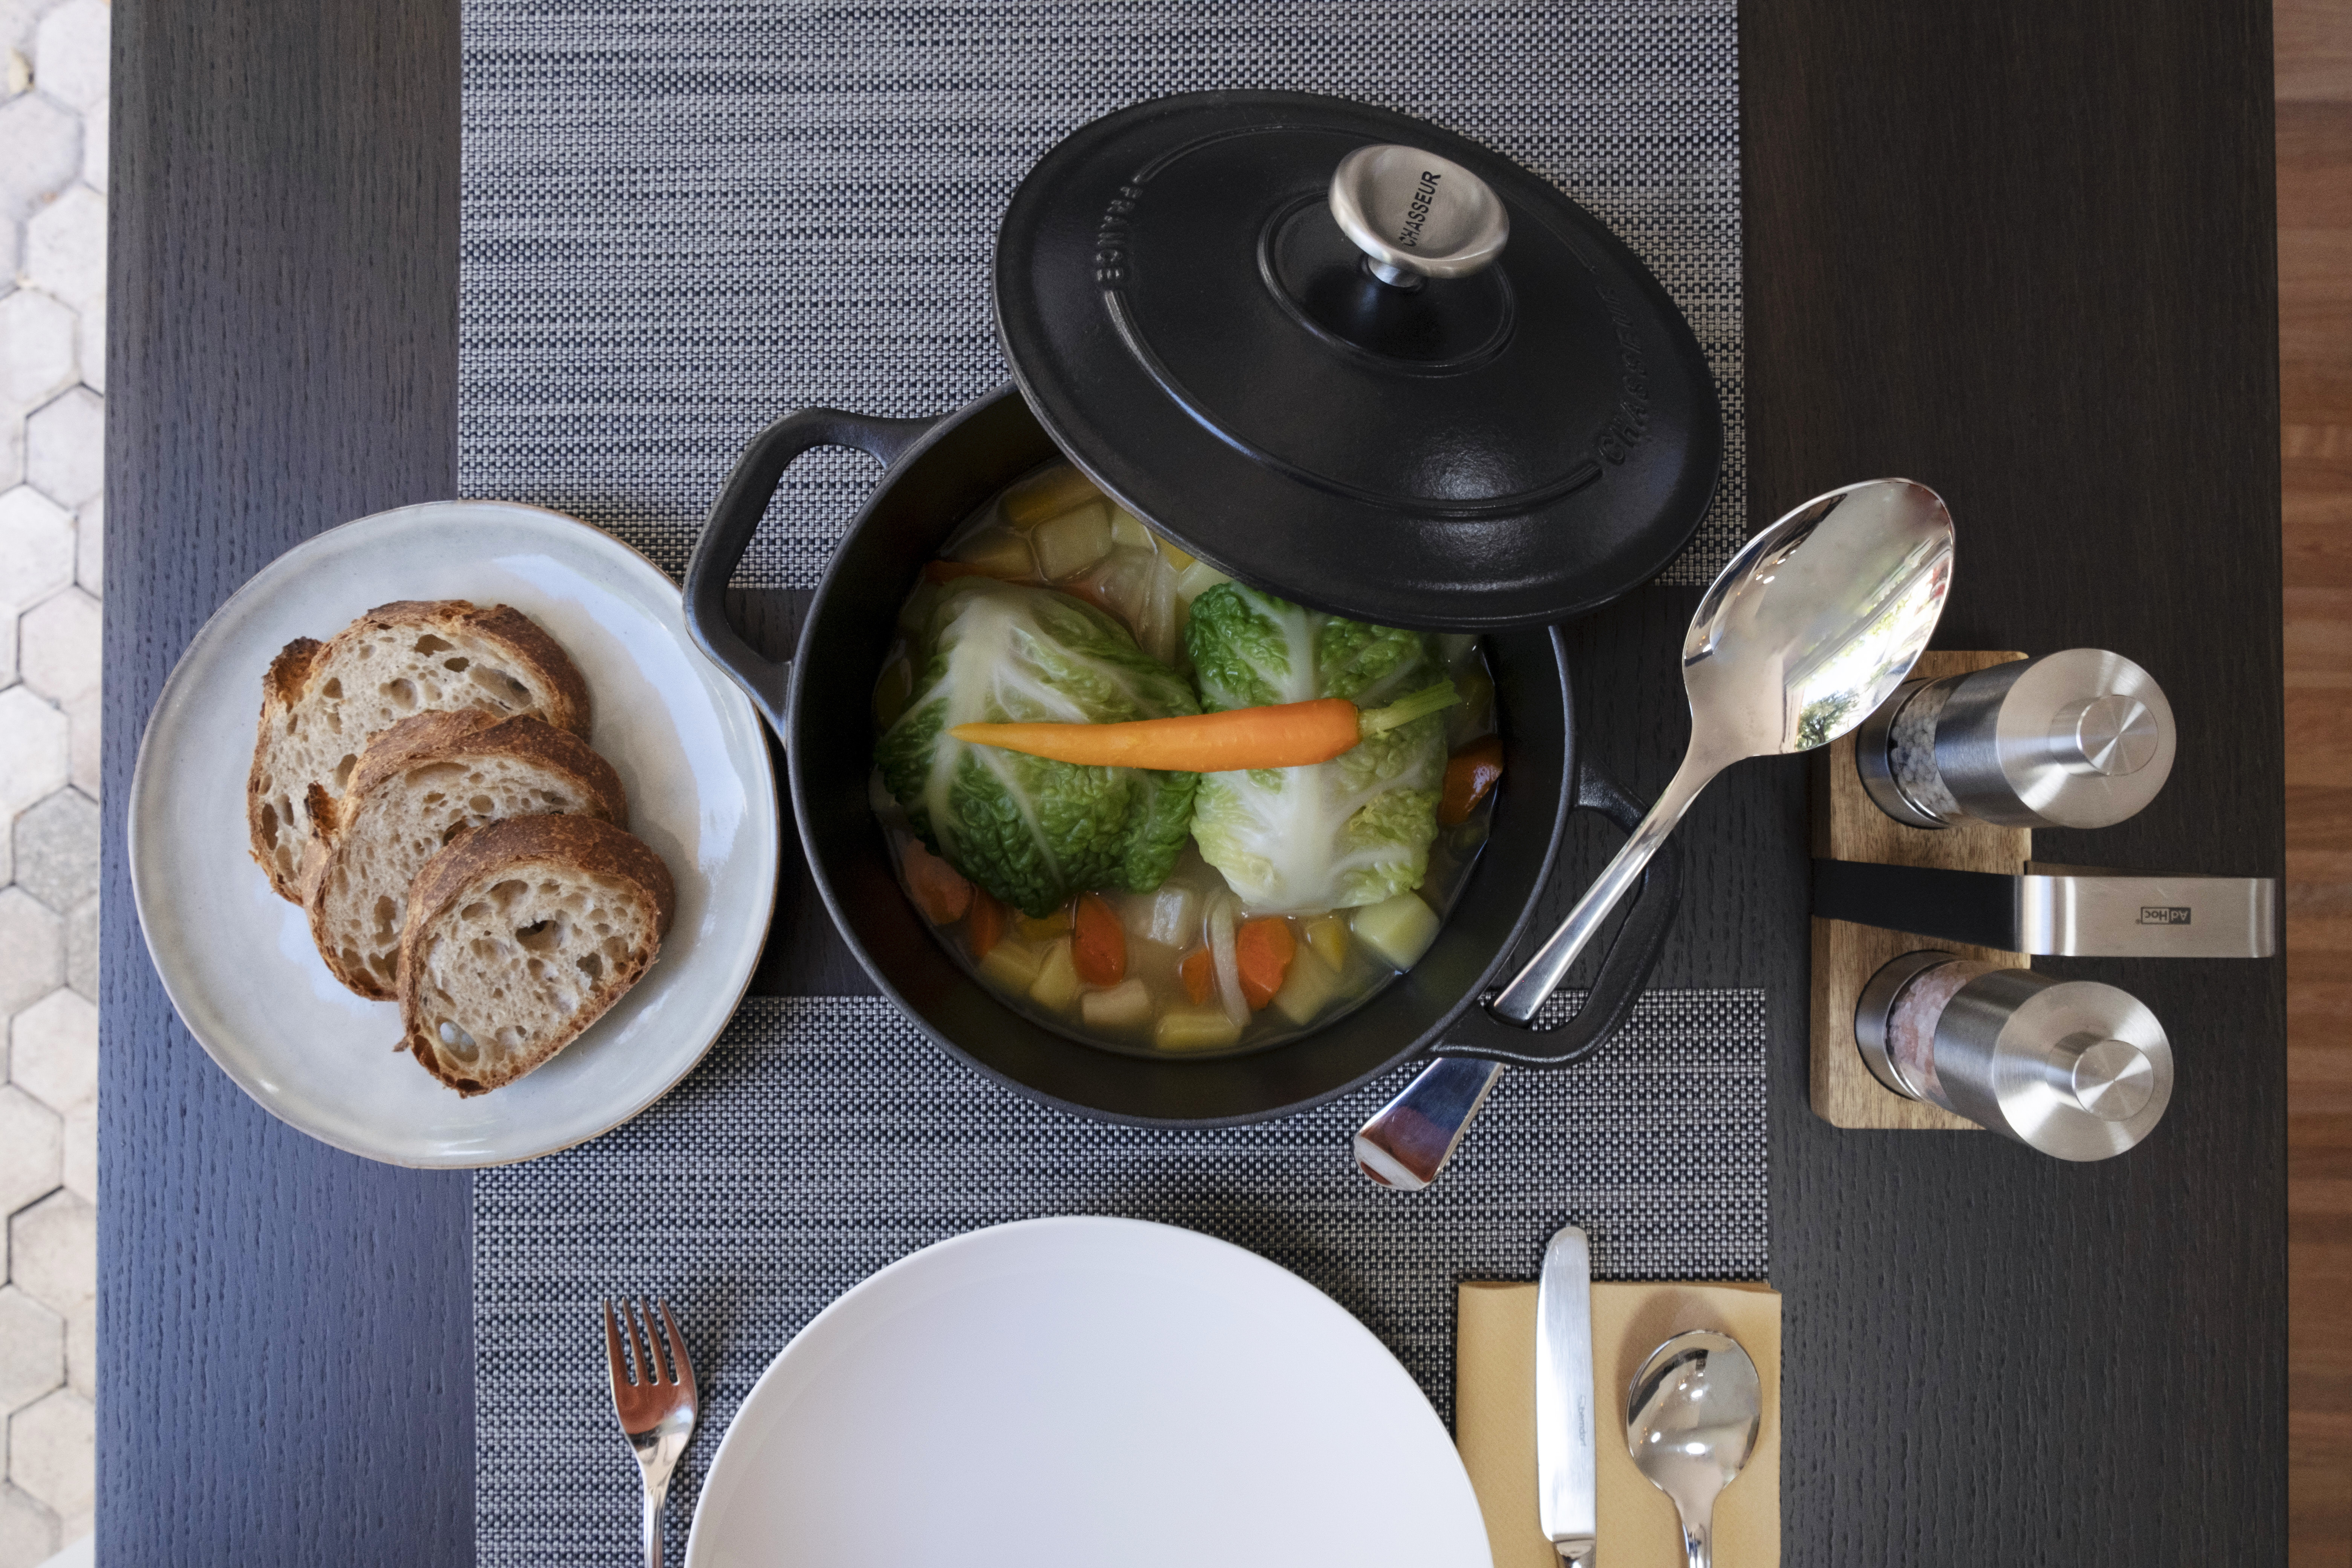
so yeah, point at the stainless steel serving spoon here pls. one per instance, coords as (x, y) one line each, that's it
(1691, 1420)
(1814, 624)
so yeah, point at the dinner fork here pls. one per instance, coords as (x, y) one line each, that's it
(656, 1407)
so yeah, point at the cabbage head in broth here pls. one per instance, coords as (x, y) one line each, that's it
(1354, 830)
(1031, 831)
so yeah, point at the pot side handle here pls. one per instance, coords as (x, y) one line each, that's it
(736, 517)
(1408, 1141)
(1624, 967)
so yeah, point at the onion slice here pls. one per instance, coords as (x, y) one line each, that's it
(1156, 628)
(1221, 956)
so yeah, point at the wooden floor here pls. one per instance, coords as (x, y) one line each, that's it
(2314, 217)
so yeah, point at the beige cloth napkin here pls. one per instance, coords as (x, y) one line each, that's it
(1495, 1420)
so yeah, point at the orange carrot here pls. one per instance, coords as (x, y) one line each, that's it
(1198, 971)
(1100, 949)
(1264, 948)
(1280, 735)
(940, 890)
(1291, 735)
(1469, 774)
(985, 927)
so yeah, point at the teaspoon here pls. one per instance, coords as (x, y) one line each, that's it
(1814, 624)
(1691, 1420)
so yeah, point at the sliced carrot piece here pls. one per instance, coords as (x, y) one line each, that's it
(1199, 972)
(1264, 948)
(1101, 949)
(940, 890)
(1470, 772)
(984, 928)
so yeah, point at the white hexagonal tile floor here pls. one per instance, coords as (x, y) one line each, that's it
(53, 120)
(32, 1349)
(37, 546)
(38, 345)
(64, 439)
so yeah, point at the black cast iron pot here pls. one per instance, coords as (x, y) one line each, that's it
(938, 473)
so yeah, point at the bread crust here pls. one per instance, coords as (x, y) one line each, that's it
(290, 674)
(291, 671)
(456, 735)
(568, 844)
(281, 685)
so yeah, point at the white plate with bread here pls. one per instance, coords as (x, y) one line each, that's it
(448, 845)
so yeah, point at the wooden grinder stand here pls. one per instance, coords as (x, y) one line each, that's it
(1847, 825)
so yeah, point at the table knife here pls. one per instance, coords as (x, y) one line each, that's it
(1566, 1502)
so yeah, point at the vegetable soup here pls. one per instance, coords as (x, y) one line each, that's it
(1157, 903)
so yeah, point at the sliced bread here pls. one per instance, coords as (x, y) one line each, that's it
(322, 702)
(418, 786)
(520, 936)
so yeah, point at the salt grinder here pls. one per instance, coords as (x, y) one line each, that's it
(2076, 1069)
(2078, 739)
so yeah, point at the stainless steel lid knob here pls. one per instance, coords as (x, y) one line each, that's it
(2111, 1078)
(2112, 736)
(1415, 214)
(2079, 738)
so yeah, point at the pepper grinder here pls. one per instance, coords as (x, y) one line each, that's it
(2078, 1069)
(2078, 739)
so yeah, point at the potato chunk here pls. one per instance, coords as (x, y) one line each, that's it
(1398, 930)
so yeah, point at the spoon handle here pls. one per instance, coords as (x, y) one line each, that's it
(1698, 1543)
(1408, 1141)
(1525, 994)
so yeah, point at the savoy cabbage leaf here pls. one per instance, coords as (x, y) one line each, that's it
(1033, 831)
(1354, 830)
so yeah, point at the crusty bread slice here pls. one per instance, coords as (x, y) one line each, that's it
(323, 702)
(418, 786)
(520, 936)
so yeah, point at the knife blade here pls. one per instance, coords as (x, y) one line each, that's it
(1565, 1451)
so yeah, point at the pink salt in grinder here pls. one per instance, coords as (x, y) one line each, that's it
(2077, 1069)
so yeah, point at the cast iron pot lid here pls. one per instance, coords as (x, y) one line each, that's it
(1470, 406)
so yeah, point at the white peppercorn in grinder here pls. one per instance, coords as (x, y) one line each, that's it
(2078, 1069)
(2079, 738)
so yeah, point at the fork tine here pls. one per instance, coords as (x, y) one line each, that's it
(679, 1361)
(661, 1372)
(613, 1350)
(636, 1343)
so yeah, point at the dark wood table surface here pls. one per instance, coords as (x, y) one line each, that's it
(2019, 249)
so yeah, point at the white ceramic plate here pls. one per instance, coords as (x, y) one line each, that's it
(1085, 1392)
(238, 960)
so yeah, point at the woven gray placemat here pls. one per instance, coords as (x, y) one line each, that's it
(824, 1137)
(680, 219)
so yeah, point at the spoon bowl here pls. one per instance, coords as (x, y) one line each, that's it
(1814, 624)
(1692, 1416)
(1816, 621)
